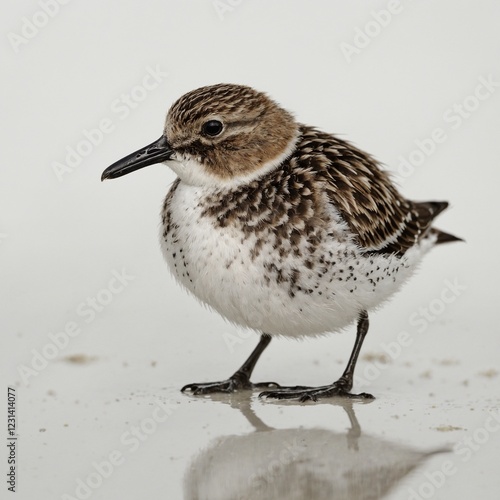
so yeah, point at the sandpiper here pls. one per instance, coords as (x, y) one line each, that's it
(280, 227)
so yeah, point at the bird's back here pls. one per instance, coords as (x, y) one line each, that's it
(379, 217)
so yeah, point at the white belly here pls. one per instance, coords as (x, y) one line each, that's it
(216, 265)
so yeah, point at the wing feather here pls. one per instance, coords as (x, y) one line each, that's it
(380, 218)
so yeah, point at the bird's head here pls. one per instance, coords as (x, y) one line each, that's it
(218, 135)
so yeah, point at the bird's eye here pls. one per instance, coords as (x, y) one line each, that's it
(212, 128)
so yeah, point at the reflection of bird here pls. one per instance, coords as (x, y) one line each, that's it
(278, 226)
(297, 464)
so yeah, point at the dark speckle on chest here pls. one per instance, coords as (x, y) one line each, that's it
(282, 209)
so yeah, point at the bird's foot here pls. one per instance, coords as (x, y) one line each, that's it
(239, 381)
(338, 389)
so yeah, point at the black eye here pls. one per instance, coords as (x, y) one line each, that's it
(212, 128)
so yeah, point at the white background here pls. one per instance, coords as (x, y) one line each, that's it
(62, 235)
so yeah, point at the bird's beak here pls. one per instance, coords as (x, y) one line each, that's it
(156, 152)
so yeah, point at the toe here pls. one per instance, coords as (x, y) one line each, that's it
(269, 394)
(308, 397)
(365, 395)
(277, 395)
(199, 390)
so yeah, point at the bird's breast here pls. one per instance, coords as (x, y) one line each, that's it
(265, 272)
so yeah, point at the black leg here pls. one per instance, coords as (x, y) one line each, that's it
(240, 379)
(347, 377)
(339, 388)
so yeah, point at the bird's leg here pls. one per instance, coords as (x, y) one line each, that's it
(240, 379)
(339, 388)
(345, 382)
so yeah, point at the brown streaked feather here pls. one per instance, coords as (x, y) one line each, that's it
(380, 218)
(288, 203)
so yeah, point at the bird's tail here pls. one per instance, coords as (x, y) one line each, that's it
(435, 208)
(431, 208)
(443, 237)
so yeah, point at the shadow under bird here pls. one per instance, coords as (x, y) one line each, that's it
(280, 227)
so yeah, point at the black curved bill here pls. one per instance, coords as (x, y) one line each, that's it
(156, 152)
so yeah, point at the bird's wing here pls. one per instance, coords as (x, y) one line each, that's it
(379, 217)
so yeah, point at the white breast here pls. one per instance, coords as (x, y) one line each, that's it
(217, 266)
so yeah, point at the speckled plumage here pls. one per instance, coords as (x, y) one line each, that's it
(319, 239)
(278, 226)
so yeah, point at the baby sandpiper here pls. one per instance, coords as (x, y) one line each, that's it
(280, 227)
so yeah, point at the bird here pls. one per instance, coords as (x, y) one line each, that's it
(280, 227)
